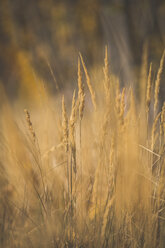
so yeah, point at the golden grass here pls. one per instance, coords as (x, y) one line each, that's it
(95, 179)
(157, 83)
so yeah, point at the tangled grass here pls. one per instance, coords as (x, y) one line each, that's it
(85, 176)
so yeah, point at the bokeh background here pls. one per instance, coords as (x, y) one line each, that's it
(42, 39)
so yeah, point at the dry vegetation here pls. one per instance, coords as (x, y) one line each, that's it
(89, 175)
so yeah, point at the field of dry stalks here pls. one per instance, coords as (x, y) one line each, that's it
(86, 172)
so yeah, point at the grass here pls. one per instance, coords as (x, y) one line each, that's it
(83, 175)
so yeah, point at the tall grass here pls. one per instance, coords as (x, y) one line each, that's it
(78, 176)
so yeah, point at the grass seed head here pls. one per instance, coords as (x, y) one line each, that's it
(81, 94)
(92, 92)
(157, 83)
(65, 125)
(30, 125)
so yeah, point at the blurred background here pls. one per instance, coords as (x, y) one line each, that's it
(42, 39)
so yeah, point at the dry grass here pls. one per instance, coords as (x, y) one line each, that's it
(95, 179)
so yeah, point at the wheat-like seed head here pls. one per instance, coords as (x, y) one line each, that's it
(73, 110)
(64, 125)
(30, 125)
(89, 82)
(154, 130)
(106, 74)
(72, 120)
(157, 83)
(162, 121)
(111, 162)
(81, 94)
(72, 129)
(148, 93)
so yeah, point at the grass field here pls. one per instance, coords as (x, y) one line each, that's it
(87, 171)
